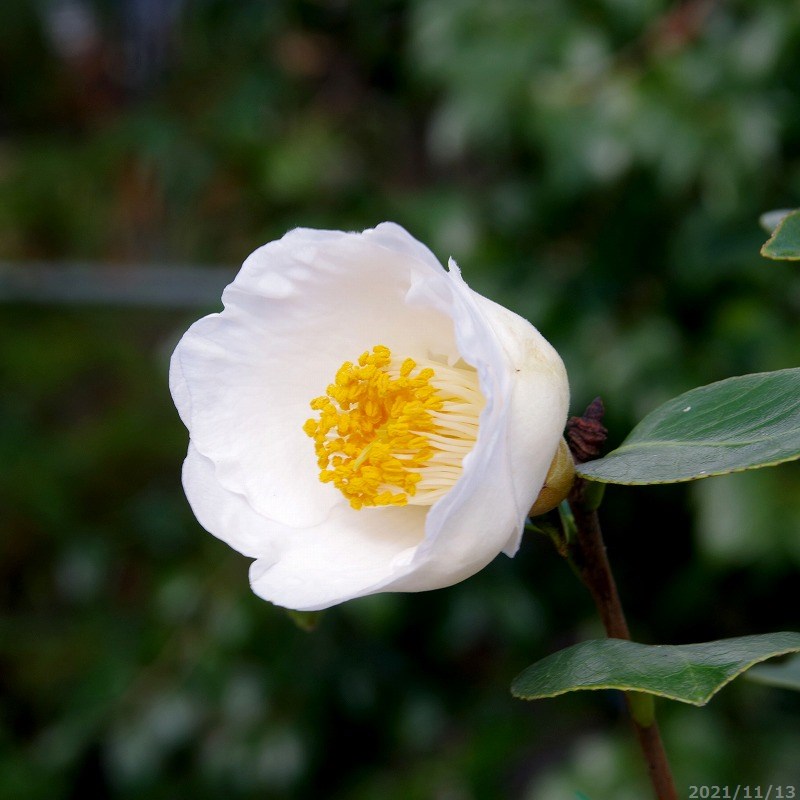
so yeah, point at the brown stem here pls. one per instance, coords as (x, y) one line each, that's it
(588, 552)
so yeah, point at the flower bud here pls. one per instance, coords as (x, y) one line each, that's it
(558, 482)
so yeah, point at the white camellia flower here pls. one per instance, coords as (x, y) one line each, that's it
(361, 421)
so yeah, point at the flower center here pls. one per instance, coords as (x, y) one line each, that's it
(391, 432)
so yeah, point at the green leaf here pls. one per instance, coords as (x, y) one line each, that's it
(740, 423)
(784, 244)
(785, 675)
(691, 673)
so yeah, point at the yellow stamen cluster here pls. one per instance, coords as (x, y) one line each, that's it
(390, 432)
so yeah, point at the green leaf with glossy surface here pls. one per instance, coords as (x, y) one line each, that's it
(740, 423)
(690, 673)
(784, 244)
(785, 675)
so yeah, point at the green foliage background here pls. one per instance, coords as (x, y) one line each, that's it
(598, 166)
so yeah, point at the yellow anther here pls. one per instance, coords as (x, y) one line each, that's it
(371, 434)
(407, 367)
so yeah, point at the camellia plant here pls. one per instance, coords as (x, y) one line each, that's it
(361, 421)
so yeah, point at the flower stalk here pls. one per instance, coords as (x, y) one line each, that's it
(586, 552)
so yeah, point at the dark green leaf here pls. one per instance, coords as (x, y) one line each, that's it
(784, 244)
(740, 423)
(785, 675)
(691, 673)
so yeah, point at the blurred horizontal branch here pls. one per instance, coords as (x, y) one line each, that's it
(162, 286)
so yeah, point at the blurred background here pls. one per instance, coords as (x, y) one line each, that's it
(598, 166)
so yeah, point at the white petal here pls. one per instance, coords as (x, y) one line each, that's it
(179, 389)
(538, 406)
(351, 554)
(226, 514)
(527, 395)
